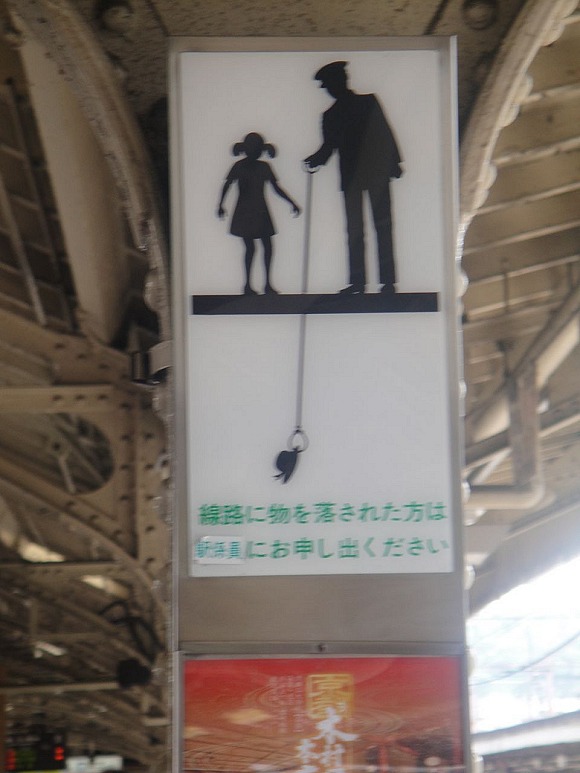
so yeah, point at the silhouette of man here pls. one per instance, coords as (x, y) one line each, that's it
(355, 126)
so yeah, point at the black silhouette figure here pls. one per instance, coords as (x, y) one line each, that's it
(286, 462)
(251, 219)
(355, 126)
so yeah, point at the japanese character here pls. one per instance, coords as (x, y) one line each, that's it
(233, 514)
(325, 512)
(346, 513)
(437, 513)
(415, 512)
(393, 547)
(415, 546)
(203, 549)
(390, 512)
(321, 551)
(305, 750)
(325, 690)
(369, 511)
(278, 514)
(280, 549)
(259, 517)
(348, 548)
(254, 553)
(303, 547)
(367, 547)
(329, 731)
(431, 547)
(301, 515)
(333, 758)
(235, 549)
(210, 515)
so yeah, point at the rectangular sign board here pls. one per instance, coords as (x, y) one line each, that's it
(315, 242)
(323, 715)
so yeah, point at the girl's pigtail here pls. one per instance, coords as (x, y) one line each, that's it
(270, 150)
(238, 149)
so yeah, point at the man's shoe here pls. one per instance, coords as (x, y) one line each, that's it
(388, 290)
(352, 289)
(249, 291)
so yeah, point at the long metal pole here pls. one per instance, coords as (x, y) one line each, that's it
(303, 317)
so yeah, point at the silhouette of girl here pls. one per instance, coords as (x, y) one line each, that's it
(251, 219)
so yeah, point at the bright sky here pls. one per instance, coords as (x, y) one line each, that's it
(526, 652)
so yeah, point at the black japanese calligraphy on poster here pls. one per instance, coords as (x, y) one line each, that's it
(315, 213)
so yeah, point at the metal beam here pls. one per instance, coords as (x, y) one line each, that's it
(71, 45)
(543, 129)
(524, 235)
(63, 567)
(501, 95)
(555, 326)
(76, 511)
(58, 603)
(59, 399)
(21, 256)
(543, 732)
(530, 198)
(488, 276)
(558, 418)
(539, 542)
(61, 687)
(13, 104)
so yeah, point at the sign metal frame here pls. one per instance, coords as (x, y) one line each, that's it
(221, 609)
(326, 615)
(286, 668)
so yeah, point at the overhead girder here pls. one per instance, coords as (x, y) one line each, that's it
(50, 379)
(94, 655)
(135, 435)
(499, 99)
(549, 348)
(519, 210)
(35, 589)
(77, 514)
(99, 715)
(136, 439)
(555, 419)
(90, 74)
(20, 252)
(549, 537)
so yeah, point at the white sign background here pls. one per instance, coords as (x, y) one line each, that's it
(376, 405)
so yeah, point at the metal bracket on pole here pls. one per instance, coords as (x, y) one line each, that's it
(150, 367)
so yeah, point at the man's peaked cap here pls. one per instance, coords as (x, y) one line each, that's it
(329, 72)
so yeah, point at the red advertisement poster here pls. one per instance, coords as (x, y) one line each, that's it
(323, 715)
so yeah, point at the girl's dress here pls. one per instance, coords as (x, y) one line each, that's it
(251, 218)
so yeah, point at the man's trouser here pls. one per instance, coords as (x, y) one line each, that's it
(380, 200)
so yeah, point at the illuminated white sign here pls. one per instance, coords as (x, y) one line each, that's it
(316, 234)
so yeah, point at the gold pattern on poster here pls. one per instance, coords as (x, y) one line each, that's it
(325, 691)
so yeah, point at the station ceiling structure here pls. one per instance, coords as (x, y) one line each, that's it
(85, 435)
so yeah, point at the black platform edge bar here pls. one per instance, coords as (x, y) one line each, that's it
(362, 303)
